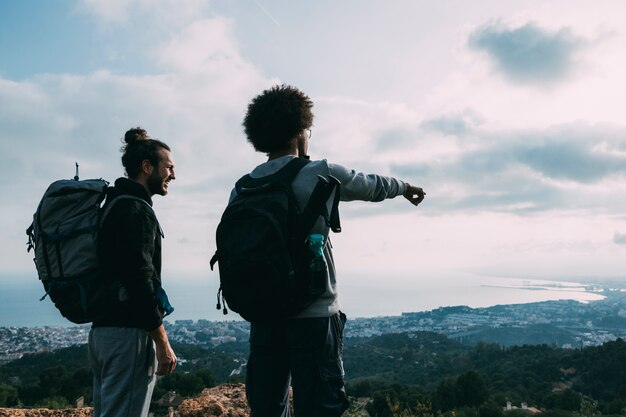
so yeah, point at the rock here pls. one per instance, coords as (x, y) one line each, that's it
(227, 400)
(44, 412)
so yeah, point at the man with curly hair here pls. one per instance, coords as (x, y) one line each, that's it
(304, 351)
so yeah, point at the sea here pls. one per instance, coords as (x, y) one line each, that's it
(194, 299)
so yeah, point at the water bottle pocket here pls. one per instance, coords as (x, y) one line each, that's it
(317, 266)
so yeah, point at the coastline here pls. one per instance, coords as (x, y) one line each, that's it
(20, 305)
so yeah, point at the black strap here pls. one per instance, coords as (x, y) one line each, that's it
(111, 201)
(335, 222)
(283, 176)
(57, 247)
(31, 237)
(45, 245)
(317, 206)
(213, 261)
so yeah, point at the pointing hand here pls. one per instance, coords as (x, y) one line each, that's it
(415, 195)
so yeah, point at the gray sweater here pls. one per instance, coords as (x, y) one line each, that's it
(354, 186)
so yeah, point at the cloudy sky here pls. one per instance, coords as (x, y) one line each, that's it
(509, 114)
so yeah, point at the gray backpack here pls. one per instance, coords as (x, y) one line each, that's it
(64, 236)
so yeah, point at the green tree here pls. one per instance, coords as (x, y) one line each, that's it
(355, 409)
(8, 396)
(207, 377)
(568, 400)
(445, 396)
(52, 380)
(467, 412)
(490, 409)
(471, 390)
(421, 410)
(365, 387)
(55, 403)
(183, 384)
(616, 407)
(30, 394)
(556, 413)
(78, 385)
(588, 409)
(380, 406)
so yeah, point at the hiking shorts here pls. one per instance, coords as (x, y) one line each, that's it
(304, 353)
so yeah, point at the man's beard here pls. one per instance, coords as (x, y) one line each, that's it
(155, 184)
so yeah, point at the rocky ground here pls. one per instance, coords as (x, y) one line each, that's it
(44, 412)
(228, 400)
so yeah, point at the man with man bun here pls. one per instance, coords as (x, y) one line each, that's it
(128, 346)
(304, 351)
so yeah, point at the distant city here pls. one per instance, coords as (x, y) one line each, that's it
(566, 323)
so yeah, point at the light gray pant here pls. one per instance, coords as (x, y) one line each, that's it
(123, 362)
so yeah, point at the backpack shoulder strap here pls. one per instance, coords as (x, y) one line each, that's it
(316, 206)
(289, 171)
(335, 222)
(283, 176)
(119, 198)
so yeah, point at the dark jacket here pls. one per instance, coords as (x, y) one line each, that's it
(129, 250)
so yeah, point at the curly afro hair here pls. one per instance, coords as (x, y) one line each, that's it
(276, 116)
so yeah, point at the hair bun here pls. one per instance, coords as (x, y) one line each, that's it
(135, 134)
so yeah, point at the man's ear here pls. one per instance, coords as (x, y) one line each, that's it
(147, 167)
(302, 145)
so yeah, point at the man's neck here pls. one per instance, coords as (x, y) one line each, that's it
(292, 149)
(144, 183)
(275, 155)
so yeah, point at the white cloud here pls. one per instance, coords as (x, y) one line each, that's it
(619, 238)
(54, 120)
(485, 150)
(455, 124)
(206, 44)
(568, 167)
(528, 54)
(591, 86)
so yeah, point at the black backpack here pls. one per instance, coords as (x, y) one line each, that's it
(262, 246)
